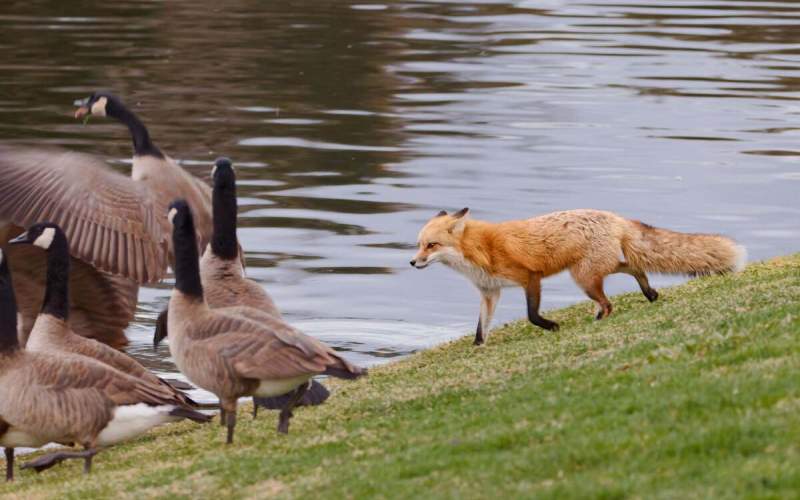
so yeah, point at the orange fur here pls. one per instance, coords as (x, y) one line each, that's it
(590, 243)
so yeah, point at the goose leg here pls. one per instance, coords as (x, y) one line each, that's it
(286, 412)
(231, 421)
(87, 460)
(9, 464)
(222, 420)
(229, 407)
(46, 461)
(255, 408)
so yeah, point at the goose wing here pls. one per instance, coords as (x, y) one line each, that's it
(262, 347)
(111, 357)
(111, 221)
(71, 395)
(260, 357)
(78, 373)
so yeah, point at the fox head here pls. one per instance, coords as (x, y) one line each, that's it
(439, 238)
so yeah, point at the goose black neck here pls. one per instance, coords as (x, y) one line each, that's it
(142, 145)
(223, 242)
(187, 261)
(56, 294)
(8, 311)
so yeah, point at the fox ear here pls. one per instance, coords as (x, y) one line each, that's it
(460, 221)
(441, 213)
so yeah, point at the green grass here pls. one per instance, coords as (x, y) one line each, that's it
(694, 396)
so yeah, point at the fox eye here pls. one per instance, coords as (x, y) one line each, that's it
(431, 245)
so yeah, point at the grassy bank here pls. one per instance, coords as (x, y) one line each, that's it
(695, 395)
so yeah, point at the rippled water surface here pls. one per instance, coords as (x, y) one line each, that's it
(352, 124)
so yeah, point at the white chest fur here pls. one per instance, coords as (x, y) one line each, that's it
(476, 274)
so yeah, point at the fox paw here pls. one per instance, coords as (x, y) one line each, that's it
(651, 295)
(548, 325)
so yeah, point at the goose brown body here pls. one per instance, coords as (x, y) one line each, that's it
(225, 285)
(70, 398)
(52, 335)
(239, 351)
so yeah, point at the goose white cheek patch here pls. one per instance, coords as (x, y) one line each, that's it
(171, 215)
(99, 107)
(214, 170)
(46, 238)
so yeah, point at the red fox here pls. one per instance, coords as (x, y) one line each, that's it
(590, 243)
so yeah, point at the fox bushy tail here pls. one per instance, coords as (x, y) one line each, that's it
(658, 250)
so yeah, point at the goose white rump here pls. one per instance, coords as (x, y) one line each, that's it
(132, 420)
(270, 388)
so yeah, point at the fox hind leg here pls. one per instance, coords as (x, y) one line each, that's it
(641, 279)
(592, 283)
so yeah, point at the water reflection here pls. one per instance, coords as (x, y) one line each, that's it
(351, 124)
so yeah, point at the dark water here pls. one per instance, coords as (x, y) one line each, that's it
(351, 124)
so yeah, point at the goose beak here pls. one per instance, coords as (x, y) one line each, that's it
(21, 239)
(81, 112)
(161, 331)
(83, 108)
(158, 336)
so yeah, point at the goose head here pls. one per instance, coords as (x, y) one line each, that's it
(43, 235)
(222, 169)
(100, 103)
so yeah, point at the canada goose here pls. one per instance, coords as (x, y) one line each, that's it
(70, 399)
(234, 357)
(150, 165)
(51, 332)
(222, 275)
(116, 240)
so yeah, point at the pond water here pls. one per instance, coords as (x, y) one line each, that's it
(353, 123)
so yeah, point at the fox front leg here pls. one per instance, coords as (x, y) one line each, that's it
(489, 299)
(533, 295)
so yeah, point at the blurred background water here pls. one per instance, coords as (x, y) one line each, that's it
(352, 123)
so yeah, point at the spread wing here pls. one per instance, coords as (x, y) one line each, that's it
(110, 220)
